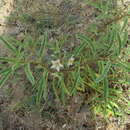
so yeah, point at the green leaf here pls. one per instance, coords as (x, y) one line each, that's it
(62, 94)
(114, 104)
(8, 45)
(122, 40)
(125, 38)
(42, 88)
(79, 49)
(5, 76)
(16, 66)
(65, 88)
(76, 82)
(96, 4)
(4, 59)
(88, 41)
(119, 41)
(42, 45)
(123, 66)
(2, 72)
(106, 89)
(91, 72)
(111, 38)
(104, 72)
(29, 74)
(55, 89)
(125, 24)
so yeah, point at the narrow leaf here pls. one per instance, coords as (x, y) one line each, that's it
(65, 88)
(79, 49)
(76, 82)
(42, 88)
(4, 59)
(125, 24)
(5, 77)
(111, 38)
(29, 74)
(104, 72)
(106, 89)
(87, 40)
(8, 45)
(119, 41)
(5, 71)
(55, 90)
(42, 45)
(125, 38)
(123, 66)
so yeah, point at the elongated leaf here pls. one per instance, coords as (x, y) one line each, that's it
(125, 24)
(42, 88)
(8, 45)
(55, 90)
(112, 108)
(29, 74)
(79, 49)
(76, 82)
(111, 38)
(114, 104)
(91, 72)
(95, 5)
(62, 95)
(104, 72)
(88, 41)
(123, 66)
(42, 45)
(125, 38)
(5, 71)
(16, 66)
(65, 88)
(45, 92)
(4, 59)
(106, 89)
(119, 41)
(2, 66)
(122, 41)
(101, 66)
(5, 77)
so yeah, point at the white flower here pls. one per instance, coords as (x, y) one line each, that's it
(56, 65)
(70, 61)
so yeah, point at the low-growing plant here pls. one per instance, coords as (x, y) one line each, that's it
(95, 64)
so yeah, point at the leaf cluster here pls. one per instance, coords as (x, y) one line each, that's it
(97, 66)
